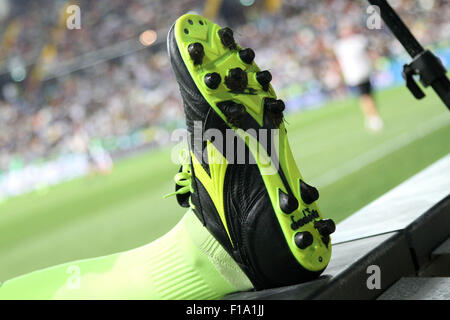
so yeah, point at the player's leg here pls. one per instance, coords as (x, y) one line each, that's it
(186, 263)
(369, 107)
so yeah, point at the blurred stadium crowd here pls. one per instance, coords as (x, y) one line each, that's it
(55, 82)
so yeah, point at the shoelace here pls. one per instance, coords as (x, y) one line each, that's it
(183, 180)
(183, 185)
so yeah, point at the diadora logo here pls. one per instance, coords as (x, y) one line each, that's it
(308, 216)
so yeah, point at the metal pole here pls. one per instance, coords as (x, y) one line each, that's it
(425, 64)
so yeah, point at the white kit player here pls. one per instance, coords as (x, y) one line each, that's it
(351, 52)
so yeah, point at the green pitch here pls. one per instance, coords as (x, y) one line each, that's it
(98, 215)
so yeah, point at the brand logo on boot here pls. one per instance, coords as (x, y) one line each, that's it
(308, 216)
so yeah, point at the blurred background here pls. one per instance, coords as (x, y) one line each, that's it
(86, 114)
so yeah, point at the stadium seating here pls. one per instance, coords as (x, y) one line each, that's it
(100, 76)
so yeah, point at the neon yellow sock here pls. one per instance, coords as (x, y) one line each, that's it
(186, 263)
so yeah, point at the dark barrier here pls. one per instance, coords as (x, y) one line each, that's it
(397, 247)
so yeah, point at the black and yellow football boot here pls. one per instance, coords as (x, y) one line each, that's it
(245, 186)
